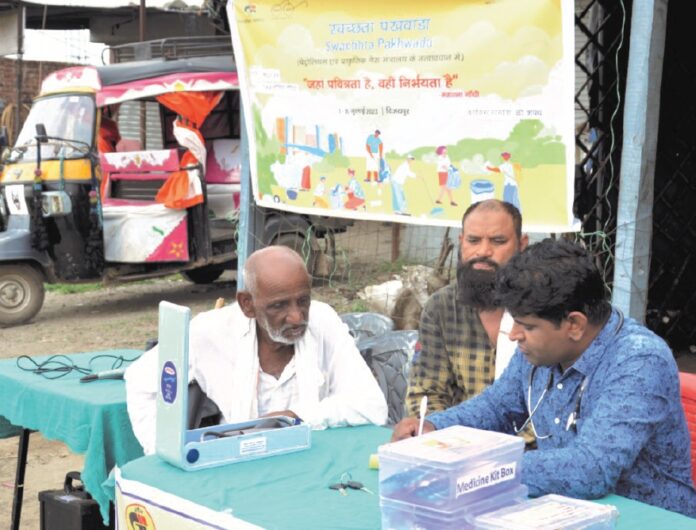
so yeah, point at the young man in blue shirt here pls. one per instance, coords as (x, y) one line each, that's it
(600, 391)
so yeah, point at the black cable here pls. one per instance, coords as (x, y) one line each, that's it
(57, 366)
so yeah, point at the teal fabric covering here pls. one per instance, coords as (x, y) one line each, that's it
(90, 418)
(291, 491)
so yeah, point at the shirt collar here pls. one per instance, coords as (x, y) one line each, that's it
(591, 357)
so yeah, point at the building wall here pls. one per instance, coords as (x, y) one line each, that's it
(32, 74)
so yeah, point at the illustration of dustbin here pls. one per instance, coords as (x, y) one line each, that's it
(481, 190)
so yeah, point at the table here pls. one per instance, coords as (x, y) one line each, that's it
(90, 418)
(290, 491)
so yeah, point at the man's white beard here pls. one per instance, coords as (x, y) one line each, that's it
(276, 335)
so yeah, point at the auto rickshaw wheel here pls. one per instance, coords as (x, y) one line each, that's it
(203, 275)
(21, 293)
(299, 244)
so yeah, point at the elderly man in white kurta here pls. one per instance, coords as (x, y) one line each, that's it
(274, 352)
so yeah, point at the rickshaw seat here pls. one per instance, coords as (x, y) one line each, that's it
(136, 175)
(125, 145)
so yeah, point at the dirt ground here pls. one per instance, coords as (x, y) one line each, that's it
(123, 316)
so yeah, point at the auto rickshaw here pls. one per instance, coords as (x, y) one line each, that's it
(81, 199)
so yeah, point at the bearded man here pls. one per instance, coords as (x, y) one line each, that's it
(463, 331)
(274, 352)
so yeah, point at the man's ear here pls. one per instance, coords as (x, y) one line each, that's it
(577, 325)
(524, 241)
(246, 303)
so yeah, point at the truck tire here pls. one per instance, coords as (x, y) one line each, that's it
(299, 244)
(21, 293)
(203, 275)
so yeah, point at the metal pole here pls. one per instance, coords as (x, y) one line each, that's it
(142, 21)
(142, 30)
(395, 241)
(20, 66)
(19, 478)
(638, 152)
(250, 217)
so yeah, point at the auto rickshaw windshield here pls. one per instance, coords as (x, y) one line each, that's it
(69, 121)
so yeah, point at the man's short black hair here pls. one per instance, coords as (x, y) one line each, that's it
(495, 204)
(551, 279)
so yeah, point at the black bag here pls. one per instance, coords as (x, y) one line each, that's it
(71, 508)
(389, 356)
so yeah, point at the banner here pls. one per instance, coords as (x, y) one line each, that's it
(409, 112)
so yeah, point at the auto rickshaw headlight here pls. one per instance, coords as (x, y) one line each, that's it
(55, 203)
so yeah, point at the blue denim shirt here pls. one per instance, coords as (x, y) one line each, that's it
(630, 437)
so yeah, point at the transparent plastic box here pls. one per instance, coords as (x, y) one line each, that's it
(551, 512)
(451, 467)
(404, 516)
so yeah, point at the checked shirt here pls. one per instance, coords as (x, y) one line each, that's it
(456, 361)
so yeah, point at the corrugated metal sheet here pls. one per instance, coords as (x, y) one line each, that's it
(129, 123)
(106, 4)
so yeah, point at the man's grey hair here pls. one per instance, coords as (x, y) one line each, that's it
(249, 279)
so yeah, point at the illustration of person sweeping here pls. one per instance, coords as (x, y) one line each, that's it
(398, 179)
(510, 189)
(443, 168)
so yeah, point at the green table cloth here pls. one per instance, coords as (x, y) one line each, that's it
(90, 418)
(291, 491)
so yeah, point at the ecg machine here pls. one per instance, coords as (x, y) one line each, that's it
(219, 444)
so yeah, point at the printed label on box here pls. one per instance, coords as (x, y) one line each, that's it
(486, 476)
(252, 446)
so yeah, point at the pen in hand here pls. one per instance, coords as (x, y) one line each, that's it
(421, 412)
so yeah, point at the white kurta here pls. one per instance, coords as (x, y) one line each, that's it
(335, 387)
(505, 348)
(508, 171)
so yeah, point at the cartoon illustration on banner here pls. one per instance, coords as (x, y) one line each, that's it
(358, 111)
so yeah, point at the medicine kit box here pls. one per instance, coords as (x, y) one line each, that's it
(406, 516)
(550, 512)
(449, 468)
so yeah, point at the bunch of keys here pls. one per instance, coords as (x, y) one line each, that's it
(352, 484)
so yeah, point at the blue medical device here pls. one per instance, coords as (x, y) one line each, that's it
(219, 444)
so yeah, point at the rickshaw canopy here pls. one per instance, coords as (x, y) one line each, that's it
(137, 80)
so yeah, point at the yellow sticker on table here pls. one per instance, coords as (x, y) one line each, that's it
(138, 518)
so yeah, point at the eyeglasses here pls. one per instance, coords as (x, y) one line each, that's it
(572, 421)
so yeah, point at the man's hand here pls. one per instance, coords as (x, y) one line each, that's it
(408, 427)
(288, 413)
